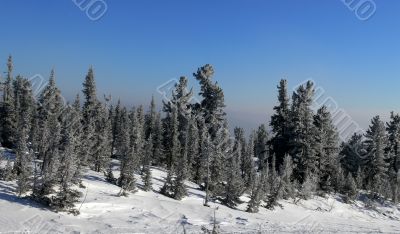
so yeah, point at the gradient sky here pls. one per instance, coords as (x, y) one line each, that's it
(138, 45)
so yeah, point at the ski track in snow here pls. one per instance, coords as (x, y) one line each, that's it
(149, 212)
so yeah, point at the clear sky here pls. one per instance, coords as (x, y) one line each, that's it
(138, 45)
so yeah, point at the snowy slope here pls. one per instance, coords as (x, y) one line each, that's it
(149, 212)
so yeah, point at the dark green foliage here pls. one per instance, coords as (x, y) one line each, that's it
(280, 123)
(8, 112)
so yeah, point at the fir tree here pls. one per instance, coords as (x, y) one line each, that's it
(49, 113)
(66, 196)
(234, 186)
(376, 141)
(352, 154)
(212, 106)
(8, 112)
(257, 192)
(180, 190)
(127, 180)
(89, 112)
(150, 119)
(393, 152)
(77, 133)
(23, 162)
(100, 156)
(302, 132)
(280, 123)
(137, 134)
(248, 163)
(157, 140)
(327, 144)
(220, 151)
(261, 148)
(193, 149)
(146, 172)
(350, 188)
(205, 150)
(116, 129)
(286, 172)
(174, 154)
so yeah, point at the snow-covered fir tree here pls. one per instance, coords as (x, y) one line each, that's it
(128, 158)
(102, 137)
(193, 149)
(261, 147)
(280, 123)
(174, 153)
(302, 132)
(327, 148)
(23, 162)
(376, 141)
(66, 196)
(49, 114)
(393, 151)
(146, 172)
(234, 184)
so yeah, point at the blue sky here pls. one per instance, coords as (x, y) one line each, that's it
(138, 45)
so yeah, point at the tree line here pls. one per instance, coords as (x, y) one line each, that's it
(296, 155)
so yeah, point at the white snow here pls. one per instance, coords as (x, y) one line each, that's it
(149, 212)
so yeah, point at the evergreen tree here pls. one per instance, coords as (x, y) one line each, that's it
(99, 155)
(309, 186)
(220, 152)
(286, 172)
(157, 140)
(240, 138)
(212, 106)
(137, 134)
(339, 180)
(257, 192)
(174, 154)
(234, 186)
(66, 196)
(393, 151)
(352, 154)
(180, 190)
(78, 134)
(49, 113)
(89, 114)
(193, 150)
(327, 144)
(280, 123)
(146, 172)
(261, 146)
(8, 112)
(302, 132)
(150, 119)
(89, 92)
(376, 141)
(116, 129)
(128, 161)
(350, 188)
(211, 109)
(201, 169)
(248, 165)
(7, 172)
(23, 162)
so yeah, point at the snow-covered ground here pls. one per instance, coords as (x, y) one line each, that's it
(102, 211)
